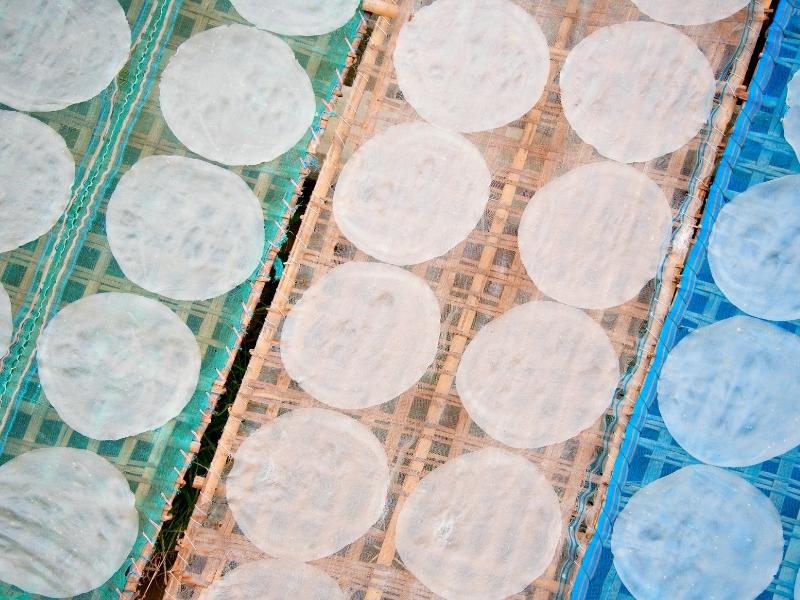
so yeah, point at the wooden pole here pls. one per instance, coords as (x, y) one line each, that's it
(381, 8)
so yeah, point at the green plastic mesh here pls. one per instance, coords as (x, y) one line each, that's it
(107, 135)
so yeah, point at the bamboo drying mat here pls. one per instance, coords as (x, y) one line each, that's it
(107, 135)
(756, 152)
(477, 281)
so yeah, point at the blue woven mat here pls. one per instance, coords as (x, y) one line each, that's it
(756, 152)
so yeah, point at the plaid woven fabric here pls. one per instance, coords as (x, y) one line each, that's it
(107, 135)
(756, 152)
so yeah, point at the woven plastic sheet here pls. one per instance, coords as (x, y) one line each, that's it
(108, 135)
(757, 152)
(478, 280)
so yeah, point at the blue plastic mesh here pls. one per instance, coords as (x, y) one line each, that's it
(756, 152)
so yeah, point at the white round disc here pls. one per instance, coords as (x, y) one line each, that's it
(308, 484)
(6, 322)
(299, 17)
(68, 520)
(114, 365)
(36, 173)
(791, 120)
(276, 579)
(237, 95)
(728, 392)
(595, 236)
(472, 66)
(361, 335)
(701, 532)
(754, 252)
(54, 53)
(637, 90)
(411, 193)
(184, 228)
(689, 12)
(480, 527)
(538, 375)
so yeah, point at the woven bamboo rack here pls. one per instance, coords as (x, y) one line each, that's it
(475, 282)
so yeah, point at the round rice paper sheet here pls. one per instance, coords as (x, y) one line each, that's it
(54, 53)
(472, 66)
(482, 526)
(36, 174)
(237, 95)
(700, 532)
(115, 365)
(68, 519)
(728, 392)
(637, 90)
(361, 335)
(411, 193)
(184, 228)
(298, 17)
(308, 484)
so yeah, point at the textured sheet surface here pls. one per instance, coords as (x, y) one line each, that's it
(595, 236)
(184, 228)
(308, 484)
(54, 53)
(298, 17)
(68, 521)
(757, 152)
(277, 579)
(451, 45)
(36, 173)
(728, 392)
(689, 12)
(411, 193)
(237, 95)
(754, 252)
(701, 533)
(107, 136)
(511, 378)
(115, 365)
(362, 335)
(636, 91)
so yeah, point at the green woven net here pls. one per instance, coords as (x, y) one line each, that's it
(107, 135)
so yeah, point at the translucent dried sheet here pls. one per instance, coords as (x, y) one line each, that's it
(700, 533)
(115, 365)
(36, 173)
(362, 335)
(480, 527)
(54, 53)
(689, 12)
(6, 322)
(471, 66)
(237, 95)
(728, 392)
(277, 579)
(308, 484)
(791, 120)
(68, 521)
(184, 228)
(298, 17)
(636, 91)
(595, 236)
(411, 193)
(511, 377)
(754, 252)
